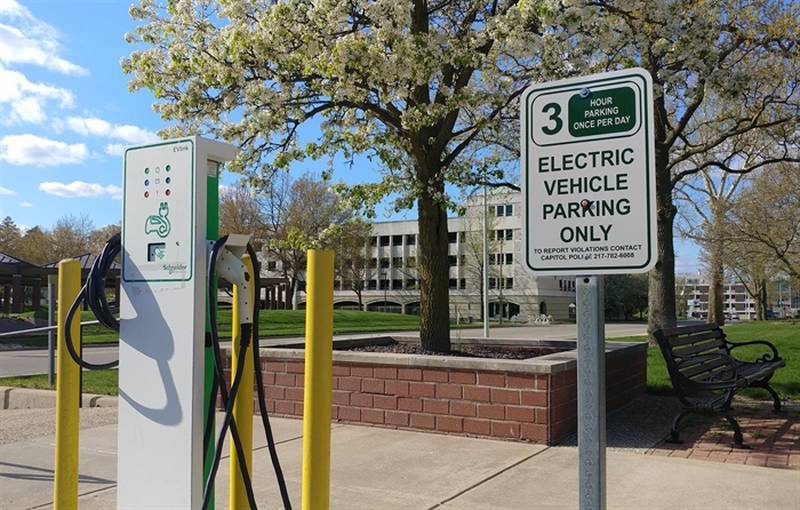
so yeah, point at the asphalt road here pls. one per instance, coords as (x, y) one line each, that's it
(34, 361)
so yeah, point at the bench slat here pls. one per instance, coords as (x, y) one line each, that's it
(685, 330)
(706, 367)
(688, 352)
(678, 341)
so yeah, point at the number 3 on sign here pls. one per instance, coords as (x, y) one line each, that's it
(554, 109)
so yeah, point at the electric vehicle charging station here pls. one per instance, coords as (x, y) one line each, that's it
(162, 348)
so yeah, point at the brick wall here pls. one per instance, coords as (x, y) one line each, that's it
(537, 407)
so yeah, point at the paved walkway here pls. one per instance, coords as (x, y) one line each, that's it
(34, 361)
(388, 469)
(773, 439)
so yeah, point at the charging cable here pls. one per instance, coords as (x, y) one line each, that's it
(249, 330)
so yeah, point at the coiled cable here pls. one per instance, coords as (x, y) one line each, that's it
(93, 293)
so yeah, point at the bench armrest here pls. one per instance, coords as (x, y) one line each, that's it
(774, 356)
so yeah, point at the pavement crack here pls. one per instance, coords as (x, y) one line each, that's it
(488, 478)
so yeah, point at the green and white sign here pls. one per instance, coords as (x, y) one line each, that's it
(588, 163)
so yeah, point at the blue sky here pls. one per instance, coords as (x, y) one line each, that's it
(66, 113)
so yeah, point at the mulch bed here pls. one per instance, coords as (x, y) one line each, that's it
(468, 351)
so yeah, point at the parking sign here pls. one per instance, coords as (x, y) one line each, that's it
(588, 174)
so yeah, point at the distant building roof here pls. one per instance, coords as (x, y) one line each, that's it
(12, 265)
(86, 260)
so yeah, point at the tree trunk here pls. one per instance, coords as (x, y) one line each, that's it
(761, 300)
(661, 295)
(716, 284)
(434, 270)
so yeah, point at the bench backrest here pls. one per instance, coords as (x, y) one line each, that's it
(698, 353)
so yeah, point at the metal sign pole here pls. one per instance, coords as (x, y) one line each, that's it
(591, 393)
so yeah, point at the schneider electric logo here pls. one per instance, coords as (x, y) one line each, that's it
(174, 268)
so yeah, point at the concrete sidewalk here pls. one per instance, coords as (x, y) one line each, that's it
(376, 468)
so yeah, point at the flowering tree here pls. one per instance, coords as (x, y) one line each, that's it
(722, 71)
(418, 86)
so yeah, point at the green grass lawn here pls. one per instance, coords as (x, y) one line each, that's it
(784, 334)
(271, 323)
(102, 382)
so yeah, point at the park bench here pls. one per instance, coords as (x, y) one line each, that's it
(705, 376)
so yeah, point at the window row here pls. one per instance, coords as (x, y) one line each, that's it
(395, 284)
(394, 240)
(498, 259)
(566, 285)
(396, 262)
(506, 283)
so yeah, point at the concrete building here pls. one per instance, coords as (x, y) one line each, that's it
(737, 302)
(392, 282)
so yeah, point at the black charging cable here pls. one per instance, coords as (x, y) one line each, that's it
(262, 401)
(218, 385)
(93, 293)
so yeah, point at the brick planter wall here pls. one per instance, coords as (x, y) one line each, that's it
(532, 400)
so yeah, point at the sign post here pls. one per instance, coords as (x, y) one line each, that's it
(587, 158)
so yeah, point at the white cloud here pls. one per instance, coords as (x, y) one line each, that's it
(25, 100)
(91, 126)
(80, 189)
(38, 151)
(25, 204)
(24, 39)
(114, 149)
(6, 191)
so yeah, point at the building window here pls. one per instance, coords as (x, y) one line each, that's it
(337, 285)
(411, 239)
(453, 260)
(397, 262)
(509, 234)
(509, 283)
(373, 263)
(272, 265)
(397, 284)
(411, 262)
(509, 259)
(453, 283)
(452, 237)
(385, 240)
(492, 283)
(397, 240)
(505, 210)
(411, 283)
(347, 284)
(492, 259)
(462, 260)
(384, 262)
(372, 284)
(462, 237)
(384, 285)
(373, 241)
(462, 283)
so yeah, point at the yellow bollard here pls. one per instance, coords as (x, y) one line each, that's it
(243, 406)
(65, 488)
(318, 381)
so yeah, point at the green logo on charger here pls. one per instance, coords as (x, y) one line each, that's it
(158, 223)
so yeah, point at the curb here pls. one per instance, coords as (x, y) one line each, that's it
(27, 398)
